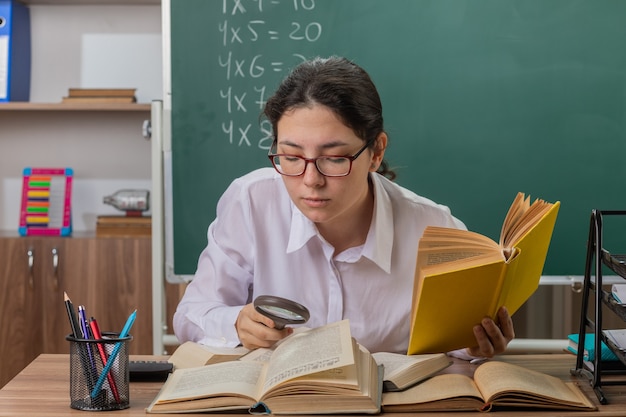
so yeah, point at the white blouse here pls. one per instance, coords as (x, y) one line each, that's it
(260, 243)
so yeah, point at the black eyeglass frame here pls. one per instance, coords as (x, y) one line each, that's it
(351, 159)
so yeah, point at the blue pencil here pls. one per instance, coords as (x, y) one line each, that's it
(116, 350)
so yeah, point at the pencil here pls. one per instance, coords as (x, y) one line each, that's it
(71, 314)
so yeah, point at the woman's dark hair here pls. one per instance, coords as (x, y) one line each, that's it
(338, 84)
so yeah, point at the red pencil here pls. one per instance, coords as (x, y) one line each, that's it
(103, 355)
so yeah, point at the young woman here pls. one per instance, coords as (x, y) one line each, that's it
(325, 227)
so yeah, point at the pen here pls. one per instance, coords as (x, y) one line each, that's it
(116, 350)
(76, 332)
(95, 330)
(82, 320)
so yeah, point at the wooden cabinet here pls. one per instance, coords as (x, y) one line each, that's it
(20, 308)
(109, 276)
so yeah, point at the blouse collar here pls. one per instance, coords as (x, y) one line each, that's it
(379, 241)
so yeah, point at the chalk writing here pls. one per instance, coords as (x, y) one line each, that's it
(251, 71)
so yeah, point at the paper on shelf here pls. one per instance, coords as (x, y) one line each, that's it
(619, 293)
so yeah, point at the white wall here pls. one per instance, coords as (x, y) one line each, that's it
(106, 149)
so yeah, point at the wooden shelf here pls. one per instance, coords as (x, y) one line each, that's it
(121, 107)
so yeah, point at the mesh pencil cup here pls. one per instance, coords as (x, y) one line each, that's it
(86, 367)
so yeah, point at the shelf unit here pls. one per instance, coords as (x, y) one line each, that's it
(597, 259)
(30, 106)
(84, 2)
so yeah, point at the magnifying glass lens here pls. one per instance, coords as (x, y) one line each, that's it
(281, 312)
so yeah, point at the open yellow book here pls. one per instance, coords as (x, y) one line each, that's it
(462, 276)
(495, 384)
(318, 371)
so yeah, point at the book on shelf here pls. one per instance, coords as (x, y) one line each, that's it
(123, 226)
(589, 351)
(402, 371)
(495, 385)
(100, 95)
(192, 354)
(101, 92)
(462, 276)
(99, 100)
(294, 377)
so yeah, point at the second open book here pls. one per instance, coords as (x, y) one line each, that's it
(495, 385)
(462, 276)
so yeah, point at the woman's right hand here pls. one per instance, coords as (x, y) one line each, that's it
(255, 330)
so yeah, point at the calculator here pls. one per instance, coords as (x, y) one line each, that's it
(149, 370)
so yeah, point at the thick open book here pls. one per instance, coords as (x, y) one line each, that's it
(495, 384)
(318, 371)
(462, 276)
(402, 371)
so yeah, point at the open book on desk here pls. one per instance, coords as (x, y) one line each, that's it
(462, 276)
(495, 384)
(319, 371)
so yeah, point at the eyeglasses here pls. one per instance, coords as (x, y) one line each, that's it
(327, 165)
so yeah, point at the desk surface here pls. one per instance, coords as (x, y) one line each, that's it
(42, 389)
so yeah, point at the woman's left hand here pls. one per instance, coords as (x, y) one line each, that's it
(492, 338)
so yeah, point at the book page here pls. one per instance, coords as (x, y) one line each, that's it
(440, 245)
(192, 354)
(456, 256)
(258, 355)
(336, 380)
(226, 378)
(534, 214)
(396, 363)
(437, 236)
(516, 210)
(522, 217)
(305, 353)
(493, 378)
(617, 336)
(437, 388)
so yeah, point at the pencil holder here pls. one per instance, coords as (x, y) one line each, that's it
(90, 388)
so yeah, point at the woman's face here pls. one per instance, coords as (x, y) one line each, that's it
(316, 131)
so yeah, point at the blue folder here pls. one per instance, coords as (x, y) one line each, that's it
(14, 51)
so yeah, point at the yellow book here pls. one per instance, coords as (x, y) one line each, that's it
(462, 276)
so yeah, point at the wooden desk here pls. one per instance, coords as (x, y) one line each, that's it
(42, 389)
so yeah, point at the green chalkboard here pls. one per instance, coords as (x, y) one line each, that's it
(482, 99)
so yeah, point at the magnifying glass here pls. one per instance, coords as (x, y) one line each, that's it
(281, 310)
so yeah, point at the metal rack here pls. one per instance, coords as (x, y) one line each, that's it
(597, 257)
